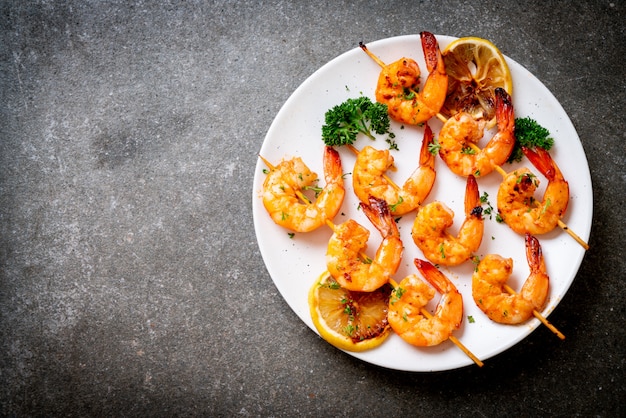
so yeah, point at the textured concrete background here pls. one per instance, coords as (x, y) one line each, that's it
(130, 279)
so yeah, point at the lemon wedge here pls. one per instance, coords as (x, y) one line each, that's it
(351, 321)
(475, 68)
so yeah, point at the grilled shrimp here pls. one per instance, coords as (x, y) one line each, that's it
(490, 277)
(410, 297)
(345, 257)
(433, 220)
(282, 193)
(516, 202)
(368, 178)
(399, 82)
(462, 130)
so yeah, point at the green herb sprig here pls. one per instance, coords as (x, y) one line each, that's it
(530, 134)
(360, 115)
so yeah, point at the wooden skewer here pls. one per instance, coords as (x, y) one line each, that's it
(267, 163)
(499, 169)
(456, 342)
(371, 55)
(578, 239)
(460, 345)
(539, 316)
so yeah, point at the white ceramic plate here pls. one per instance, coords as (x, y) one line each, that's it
(294, 263)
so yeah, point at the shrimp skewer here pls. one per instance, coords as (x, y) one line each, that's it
(498, 301)
(399, 82)
(452, 338)
(432, 221)
(345, 258)
(368, 178)
(559, 222)
(462, 129)
(517, 204)
(289, 207)
(410, 297)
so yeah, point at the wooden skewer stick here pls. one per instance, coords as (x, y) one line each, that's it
(539, 316)
(578, 239)
(459, 344)
(371, 55)
(267, 163)
(499, 169)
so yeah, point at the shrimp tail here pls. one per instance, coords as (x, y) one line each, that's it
(472, 198)
(442, 284)
(427, 158)
(332, 165)
(432, 53)
(432, 275)
(505, 114)
(380, 216)
(542, 160)
(534, 254)
(536, 287)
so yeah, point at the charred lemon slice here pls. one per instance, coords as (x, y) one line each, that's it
(475, 69)
(351, 321)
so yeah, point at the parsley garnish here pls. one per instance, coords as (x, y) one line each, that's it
(434, 147)
(395, 205)
(345, 121)
(529, 134)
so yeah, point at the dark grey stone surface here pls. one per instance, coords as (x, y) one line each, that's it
(130, 279)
